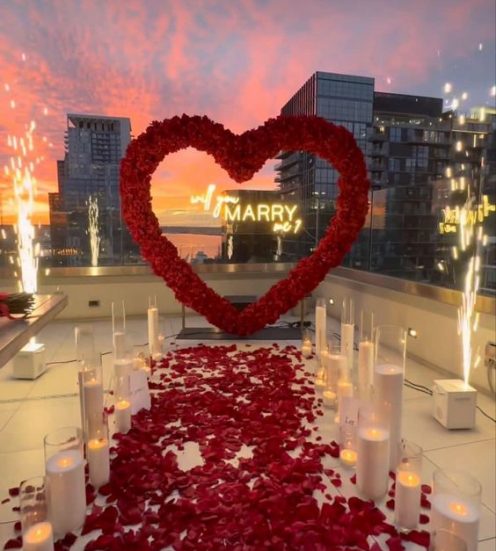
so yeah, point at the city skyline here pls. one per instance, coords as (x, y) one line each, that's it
(233, 63)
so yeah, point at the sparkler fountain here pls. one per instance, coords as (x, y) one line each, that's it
(93, 229)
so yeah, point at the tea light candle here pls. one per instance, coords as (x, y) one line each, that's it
(388, 383)
(38, 537)
(456, 515)
(407, 499)
(347, 336)
(372, 462)
(365, 366)
(348, 457)
(67, 496)
(153, 331)
(123, 416)
(329, 398)
(98, 456)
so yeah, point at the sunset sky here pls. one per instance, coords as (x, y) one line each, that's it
(237, 61)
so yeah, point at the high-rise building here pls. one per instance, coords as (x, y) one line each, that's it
(94, 147)
(409, 143)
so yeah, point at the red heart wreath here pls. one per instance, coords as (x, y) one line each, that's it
(242, 156)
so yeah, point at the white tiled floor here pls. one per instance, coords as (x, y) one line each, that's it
(30, 409)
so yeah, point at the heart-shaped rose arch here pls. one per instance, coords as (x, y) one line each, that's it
(242, 156)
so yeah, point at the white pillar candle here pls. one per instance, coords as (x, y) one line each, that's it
(348, 457)
(344, 390)
(123, 416)
(329, 398)
(407, 499)
(153, 331)
(98, 456)
(372, 462)
(92, 396)
(456, 515)
(347, 337)
(38, 537)
(66, 491)
(388, 385)
(365, 367)
(320, 328)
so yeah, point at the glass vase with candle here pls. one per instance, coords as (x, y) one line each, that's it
(366, 355)
(85, 345)
(336, 363)
(389, 374)
(37, 531)
(321, 374)
(320, 325)
(344, 386)
(98, 451)
(306, 343)
(64, 469)
(455, 503)
(348, 329)
(372, 470)
(122, 407)
(90, 380)
(408, 484)
(444, 540)
(347, 443)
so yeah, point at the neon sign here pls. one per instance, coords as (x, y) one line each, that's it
(283, 216)
(452, 217)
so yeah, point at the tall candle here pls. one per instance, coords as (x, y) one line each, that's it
(123, 416)
(38, 537)
(320, 327)
(153, 331)
(347, 337)
(456, 515)
(388, 384)
(372, 470)
(407, 499)
(365, 367)
(66, 495)
(98, 456)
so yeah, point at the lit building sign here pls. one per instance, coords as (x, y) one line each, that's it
(452, 217)
(284, 217)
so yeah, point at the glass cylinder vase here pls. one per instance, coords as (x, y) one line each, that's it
(122, 407)
(408, 486)
(348, 329)
(389, 374)
(456, 502)
(444, 540)
(98, 451)
(64, 469)
(37, 530)
(306, 343)
(336, 364)
(372, 471)
(366, 355)
(320, 325)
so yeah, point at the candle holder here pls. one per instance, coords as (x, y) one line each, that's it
(373, 452)
(37, 531)
(336, 363)
(306, 343)
(64, 469)
(85, 346)
(91, 396)
(456, 505)
(97, 451)
(122, 407)
(366, 355)
(119, 331)
(321, 375)
(348, 329)
(153, 329)
(320, 325)
(444, 540)
(389, 374)
(408, 485)
(344, 385)
(347, 443)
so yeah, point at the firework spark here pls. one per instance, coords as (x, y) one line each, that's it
(93, 229)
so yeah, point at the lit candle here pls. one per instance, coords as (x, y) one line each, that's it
(456, 515)
(38, 537)
(347, 337)
(153, 345)
(407, 499)
(320, 326)
(348, 457)
(66, 496)
(329, 398)
(98, 456)
(372, 462)
(365, 367)
(123, 416)
(388, 385)
(306, 349)
(320, 381)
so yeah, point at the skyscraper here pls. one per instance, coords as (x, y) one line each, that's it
(94, 147)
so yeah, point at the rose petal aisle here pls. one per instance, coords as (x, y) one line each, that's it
(260, 480)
